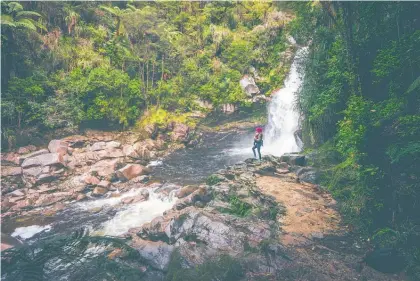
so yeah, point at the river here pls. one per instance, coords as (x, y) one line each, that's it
(107, 216)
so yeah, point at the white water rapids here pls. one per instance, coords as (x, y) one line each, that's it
(283, 117)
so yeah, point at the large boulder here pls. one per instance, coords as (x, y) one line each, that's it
(131, 171)
(98, 146)
(33, 154)
(46, 159)
(58, 146)
(308, 174)
(180, 132)
(105, 168)
(295, 159)
(130, 151)
(156, 254)
(248, 86)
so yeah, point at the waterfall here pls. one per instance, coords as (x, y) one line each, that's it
(283, 117)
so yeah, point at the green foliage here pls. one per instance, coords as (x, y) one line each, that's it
(213, 180)
(360, 99)
(113, 61)
(239, 207)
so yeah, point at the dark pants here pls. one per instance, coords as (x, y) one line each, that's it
(257, 145)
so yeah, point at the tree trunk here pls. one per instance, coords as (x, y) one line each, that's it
(163, 61)
(147, 76)
(153, 72)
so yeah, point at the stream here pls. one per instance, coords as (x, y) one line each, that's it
(107, 216)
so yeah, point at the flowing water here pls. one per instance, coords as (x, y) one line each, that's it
(108, 216)
(283, 117)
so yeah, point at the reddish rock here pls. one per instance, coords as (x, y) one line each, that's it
(26, 149)
(130, 151)
(180, 132)
(58, 146)
(105, 184)
(135, 199)
(22, 204)
(91, 180)
(151, 129)
(6, 204)
(99, 190)
(12, 158)
(49, 199)
(7, 171)
(131, 171)
(186, 190)
(105, 168)
(110, 153)
(43, 160)
(80, 196)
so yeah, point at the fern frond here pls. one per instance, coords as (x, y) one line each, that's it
(15, 7)
(415, 85)
(7, 20)
(25, 14)
(26, 23)
(109, 10)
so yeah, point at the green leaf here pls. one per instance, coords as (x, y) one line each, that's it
(25, 14)
(415, 85)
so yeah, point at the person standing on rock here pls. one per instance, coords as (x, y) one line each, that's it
(258, 142)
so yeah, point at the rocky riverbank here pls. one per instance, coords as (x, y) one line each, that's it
(82, 167)
(260, 219)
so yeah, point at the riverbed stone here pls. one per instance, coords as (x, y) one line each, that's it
(113, 144)
(131, 171)
(91, 180)
(7, 171)
(180, 132)
(31, 155)
(98, 146)
(58, 146)
(293, 159)
(99, 190)
(46, 159)
(186, 190)
(26, 149)
(156, 254)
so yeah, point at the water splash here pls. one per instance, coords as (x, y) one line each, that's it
(283, 117)
(29, 231)
(137, 214)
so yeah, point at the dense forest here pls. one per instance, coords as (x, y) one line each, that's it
(361, 103)
(67, 64)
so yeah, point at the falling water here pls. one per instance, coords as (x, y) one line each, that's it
(283, 117)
